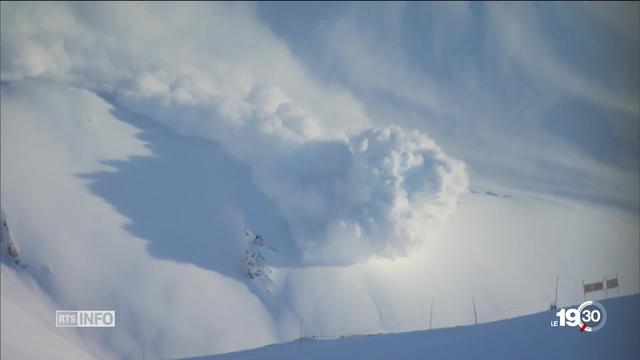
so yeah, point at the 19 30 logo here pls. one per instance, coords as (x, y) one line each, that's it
(590, 316)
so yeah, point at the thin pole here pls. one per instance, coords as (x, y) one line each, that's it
(556, 301)
(606, 290)
(431, 315)
(618, 280)
(475, 314)
(300, 339)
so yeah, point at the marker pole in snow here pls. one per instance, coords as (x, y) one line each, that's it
(475, 314)
(300, 339)
(431, 314)
(556, 301)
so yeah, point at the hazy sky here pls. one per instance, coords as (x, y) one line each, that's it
(534, 96)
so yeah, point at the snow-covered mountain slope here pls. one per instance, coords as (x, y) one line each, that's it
(84, 192)
(139, 140)
(112, 210)
(28, 330)
(526, 337)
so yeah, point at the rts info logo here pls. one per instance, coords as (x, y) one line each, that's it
(590, 316)
(100, 318)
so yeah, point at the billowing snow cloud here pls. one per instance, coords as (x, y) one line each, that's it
(379, 196)
(346, 192)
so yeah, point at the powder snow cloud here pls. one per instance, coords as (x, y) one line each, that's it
(346, 189)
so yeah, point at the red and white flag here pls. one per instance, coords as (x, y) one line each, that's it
(597, 286)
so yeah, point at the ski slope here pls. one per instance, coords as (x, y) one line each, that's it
(526, 337)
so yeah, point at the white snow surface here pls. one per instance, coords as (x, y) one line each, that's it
(28, 331)
(527, 337)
